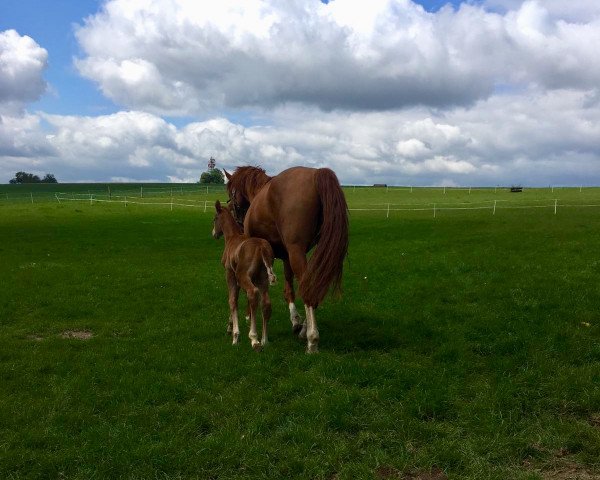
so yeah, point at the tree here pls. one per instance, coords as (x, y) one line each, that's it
(24, 177)
(212, 175)
(49, 178)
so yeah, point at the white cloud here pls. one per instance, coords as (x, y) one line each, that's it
(22, 62)
(181, 57)
(542, 138)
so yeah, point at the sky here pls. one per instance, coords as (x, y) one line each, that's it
(482, 92)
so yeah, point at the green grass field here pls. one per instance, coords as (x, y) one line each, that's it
(466, 344)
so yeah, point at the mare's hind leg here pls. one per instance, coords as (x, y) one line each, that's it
(290, 297)
(233, 324)
(253, 299)
(309, 329)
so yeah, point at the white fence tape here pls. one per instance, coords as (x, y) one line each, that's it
(389, 207)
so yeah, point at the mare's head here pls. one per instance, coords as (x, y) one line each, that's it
(242, 185)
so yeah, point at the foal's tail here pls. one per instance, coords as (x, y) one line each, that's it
(325, 267)
(267, 258)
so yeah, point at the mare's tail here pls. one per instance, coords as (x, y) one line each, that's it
(267, 258)
(325, 267)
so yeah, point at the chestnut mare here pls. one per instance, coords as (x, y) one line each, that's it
(248, 264)
(294, 211)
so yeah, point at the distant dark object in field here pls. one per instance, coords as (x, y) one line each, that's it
(380, 184)
(516, 189)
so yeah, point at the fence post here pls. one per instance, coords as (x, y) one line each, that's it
(494, 213)
(142, 192)
(469, 190)
(125, 200)
(388, 211)
(31, 193)
(444, 192)
(434, 210)
(411, 189)
(91, 198)
(205, 202)
(555, 205)
(580, 188)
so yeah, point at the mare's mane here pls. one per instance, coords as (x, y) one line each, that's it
(247, 180)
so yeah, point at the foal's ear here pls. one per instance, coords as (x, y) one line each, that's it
(218, 206)
(227, 174)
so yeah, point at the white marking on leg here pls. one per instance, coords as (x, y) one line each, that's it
(252, 334)
(294, 316)
(312, 333)
(236, 328)
(272, 277)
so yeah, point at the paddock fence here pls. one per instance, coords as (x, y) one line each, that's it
(202, 198)
(435, 209)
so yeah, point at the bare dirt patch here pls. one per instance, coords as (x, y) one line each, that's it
(569, 471)
(78, 334)
(560, 466)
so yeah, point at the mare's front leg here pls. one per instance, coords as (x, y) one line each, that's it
(234, 291)
(290, 297)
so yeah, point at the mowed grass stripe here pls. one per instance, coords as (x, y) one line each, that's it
(468, 342)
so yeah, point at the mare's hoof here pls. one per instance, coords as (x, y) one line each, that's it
(257, 347)
(312, 349)
(297, 328)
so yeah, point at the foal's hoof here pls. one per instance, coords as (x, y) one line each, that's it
(257, 347)
(296, 329)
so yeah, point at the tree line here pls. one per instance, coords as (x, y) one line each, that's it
(24, 177)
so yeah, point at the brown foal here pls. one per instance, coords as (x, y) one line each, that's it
(248, 263)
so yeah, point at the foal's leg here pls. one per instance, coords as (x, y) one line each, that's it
(234, 291)
(309, 329)
(252, 292)
(290, 297)
(266, 314)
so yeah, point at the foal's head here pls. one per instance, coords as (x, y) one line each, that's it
(223, 215)
(217, 231)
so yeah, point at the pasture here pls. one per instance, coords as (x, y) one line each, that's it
(466, 345)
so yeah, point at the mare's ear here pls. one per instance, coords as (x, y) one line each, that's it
(227, 174)
(218, 206)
